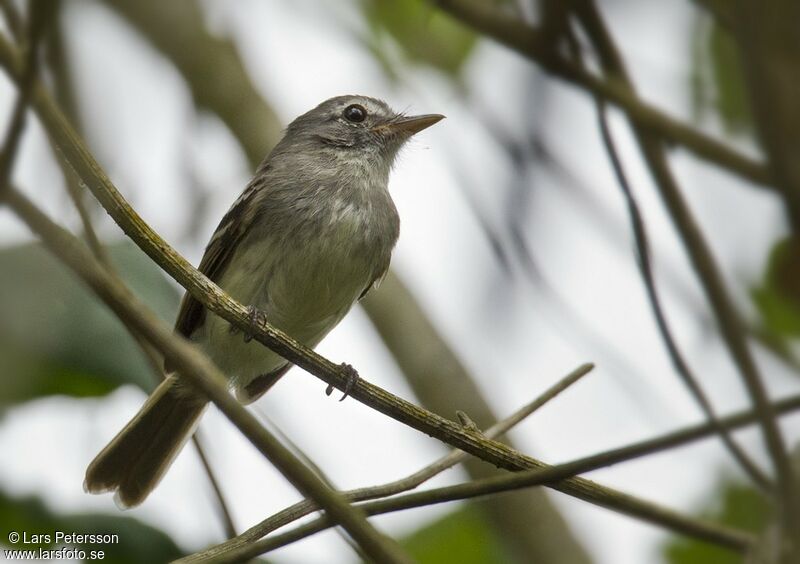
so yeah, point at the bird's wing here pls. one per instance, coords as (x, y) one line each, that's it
(224, 243)
(380, 274)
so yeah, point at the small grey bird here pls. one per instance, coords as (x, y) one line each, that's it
(309, 236)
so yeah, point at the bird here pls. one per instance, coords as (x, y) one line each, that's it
(309, 236)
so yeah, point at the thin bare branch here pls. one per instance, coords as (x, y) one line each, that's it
(723, 536)
(678, 361)
(37, 21)
(222, 507)
(305, 507)
(237, 551)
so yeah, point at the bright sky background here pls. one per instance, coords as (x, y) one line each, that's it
(514, 339)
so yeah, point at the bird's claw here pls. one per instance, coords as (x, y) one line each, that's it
(352, 377)
(256, 317)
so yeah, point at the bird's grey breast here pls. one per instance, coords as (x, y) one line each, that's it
(331, 236)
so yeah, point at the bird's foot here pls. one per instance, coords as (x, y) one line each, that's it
(256, 317)
(352, 377)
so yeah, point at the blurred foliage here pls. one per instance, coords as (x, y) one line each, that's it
(734, 505)
(424, 35)
(718, 84)
(56, 337)
(778, 296)
(461, 536)
(137, 542)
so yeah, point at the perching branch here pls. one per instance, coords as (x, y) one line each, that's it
(305, 507)
(200, 372)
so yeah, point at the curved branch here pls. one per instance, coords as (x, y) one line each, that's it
(678, 361)
(708, 272)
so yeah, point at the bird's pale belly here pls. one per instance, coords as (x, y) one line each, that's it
(304, 292)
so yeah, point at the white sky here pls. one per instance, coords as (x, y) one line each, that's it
(144, 132)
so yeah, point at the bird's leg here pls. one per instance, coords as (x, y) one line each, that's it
(352, 377)
(256, 316)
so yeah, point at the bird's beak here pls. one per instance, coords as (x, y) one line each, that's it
(408, 125)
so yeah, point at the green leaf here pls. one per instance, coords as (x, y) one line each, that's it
(56, 337)
(734, 505)
(137, 542)
(718, 83)
(462, 536)
(778, 296)
(424, 35)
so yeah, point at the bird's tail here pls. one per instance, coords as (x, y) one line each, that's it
(133, 463)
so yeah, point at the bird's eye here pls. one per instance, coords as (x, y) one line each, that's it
(355, 113)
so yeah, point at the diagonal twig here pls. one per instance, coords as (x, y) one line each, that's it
(678, 361)
(37, 21)
(720, 535)
(305, 507)
(222, 507)
(702, 259)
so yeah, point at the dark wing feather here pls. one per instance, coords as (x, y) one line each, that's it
(381, 274)
(231, 230)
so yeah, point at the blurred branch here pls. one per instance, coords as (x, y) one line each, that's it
(38, 18)
(76, 195)
(201, 373)
(59, 65)
(305, 507)
(528, 522)
(678, 361)
(720, 535)
(721, 10)
(13, 19)
(769, 44)
(222, 507)
(211, 67)
(702, 260)
(526, 40)
(728, 537)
